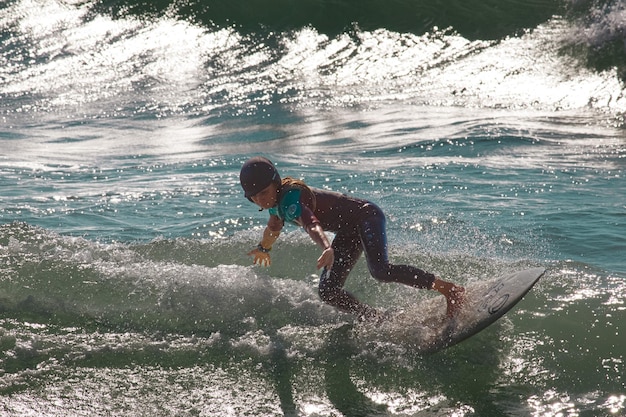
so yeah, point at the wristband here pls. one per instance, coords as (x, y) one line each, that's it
(262, 249)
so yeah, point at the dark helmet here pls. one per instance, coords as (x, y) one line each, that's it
(256, 174)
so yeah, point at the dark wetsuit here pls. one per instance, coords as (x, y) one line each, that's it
(359, 226)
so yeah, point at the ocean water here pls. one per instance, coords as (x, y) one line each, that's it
(491, 132)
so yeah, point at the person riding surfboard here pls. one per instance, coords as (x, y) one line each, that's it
(359, 227)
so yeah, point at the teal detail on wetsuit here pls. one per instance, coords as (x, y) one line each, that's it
(289, 207)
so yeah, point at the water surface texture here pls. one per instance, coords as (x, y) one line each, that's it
(491, 132)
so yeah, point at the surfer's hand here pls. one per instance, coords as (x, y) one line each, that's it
(327, 259)
(260, 258)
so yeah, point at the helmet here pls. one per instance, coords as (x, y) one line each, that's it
(256, 174)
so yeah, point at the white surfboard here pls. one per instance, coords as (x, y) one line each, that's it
(426, 327)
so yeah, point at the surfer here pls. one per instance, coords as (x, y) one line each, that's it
(359, 226)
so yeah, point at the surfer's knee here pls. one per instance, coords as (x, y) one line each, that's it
(329, 293)
(328, 289)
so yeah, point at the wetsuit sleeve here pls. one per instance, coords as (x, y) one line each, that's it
(307, 212)
(307, 218)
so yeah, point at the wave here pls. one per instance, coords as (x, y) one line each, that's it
(474, 19)
(179, 301)
(117, 60)
(194, 308)
(182, 285)
(599, 36)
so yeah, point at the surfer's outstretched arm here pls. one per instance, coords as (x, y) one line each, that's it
(454, 295)
(327, 258)
(261, 253)
(309, 222)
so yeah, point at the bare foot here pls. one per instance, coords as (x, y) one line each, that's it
(454, 295)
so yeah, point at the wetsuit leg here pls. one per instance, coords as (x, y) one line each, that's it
(348, 249)
(374, 237)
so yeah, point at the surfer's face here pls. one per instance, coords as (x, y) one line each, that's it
(266, 198)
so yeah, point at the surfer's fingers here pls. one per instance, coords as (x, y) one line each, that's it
(327, 259)
(262, 259)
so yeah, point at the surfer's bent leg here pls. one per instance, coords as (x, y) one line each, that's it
(347, 251)
(374, 237)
